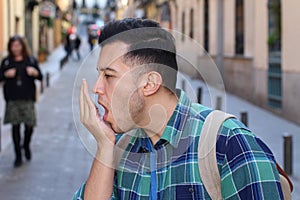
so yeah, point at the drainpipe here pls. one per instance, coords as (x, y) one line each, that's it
(220, 34)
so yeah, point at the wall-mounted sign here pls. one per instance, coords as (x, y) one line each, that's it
(47, 9)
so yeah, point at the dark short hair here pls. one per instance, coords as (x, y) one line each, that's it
(148, 44)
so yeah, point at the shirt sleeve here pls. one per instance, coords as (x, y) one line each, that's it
(3, 67)
(79, 194)
(1, 74)
(249, 168)
(35, 64)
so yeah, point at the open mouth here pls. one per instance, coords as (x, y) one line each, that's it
(105, 110)
(105, 116)
(102, 108)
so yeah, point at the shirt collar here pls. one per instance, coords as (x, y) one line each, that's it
(175, 125)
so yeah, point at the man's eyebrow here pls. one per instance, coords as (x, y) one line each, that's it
(106, 69)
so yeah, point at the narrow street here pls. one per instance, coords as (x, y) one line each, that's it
(59, 161)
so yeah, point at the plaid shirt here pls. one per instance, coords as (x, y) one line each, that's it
(169, 169)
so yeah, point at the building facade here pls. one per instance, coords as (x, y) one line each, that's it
(1, 33)
(19, 17)
(11, 21)
(25, 17)
(260, 40)
(157, 10)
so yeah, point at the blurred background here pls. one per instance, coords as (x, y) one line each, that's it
(254, 44)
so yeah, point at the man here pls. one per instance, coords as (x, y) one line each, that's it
(158, 158)
(93, 34)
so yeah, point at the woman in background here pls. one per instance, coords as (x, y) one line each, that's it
(18, 71)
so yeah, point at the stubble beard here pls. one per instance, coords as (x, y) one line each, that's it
(136, 108)
(130, 118)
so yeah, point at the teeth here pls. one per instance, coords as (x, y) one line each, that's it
(100, 108)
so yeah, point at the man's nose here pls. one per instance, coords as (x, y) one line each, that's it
(98, 86)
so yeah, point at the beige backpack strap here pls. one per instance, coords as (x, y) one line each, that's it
(207, 160)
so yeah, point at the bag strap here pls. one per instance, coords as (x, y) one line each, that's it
(282, 173)
(207, 164)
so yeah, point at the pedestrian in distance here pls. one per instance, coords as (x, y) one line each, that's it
(93, 34)
(68, 47)
(72, 43)
(77, 44)
(147, 137)
(18, 71)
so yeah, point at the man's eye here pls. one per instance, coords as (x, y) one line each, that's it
(107, 75)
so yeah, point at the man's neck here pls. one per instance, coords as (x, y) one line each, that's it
(160, 112)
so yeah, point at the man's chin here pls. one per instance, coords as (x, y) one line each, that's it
(116, 129)
(120, 130)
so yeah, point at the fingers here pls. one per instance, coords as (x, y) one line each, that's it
(90, 118)
(87, 106)
(81, 103)
(87, 95)
(10, 73)
(28, 71)
(31, 71)
(84, 105)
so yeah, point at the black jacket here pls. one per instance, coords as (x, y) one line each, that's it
(22, 86)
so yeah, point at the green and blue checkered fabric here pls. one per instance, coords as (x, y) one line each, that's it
(169, 169)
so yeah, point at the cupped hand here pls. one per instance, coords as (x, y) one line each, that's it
(10, 73)
(91, 119)
(31, 71)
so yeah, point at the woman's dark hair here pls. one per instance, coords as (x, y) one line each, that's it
(148, 44)
(25, 49)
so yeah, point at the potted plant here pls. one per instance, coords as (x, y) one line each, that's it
(42, 54)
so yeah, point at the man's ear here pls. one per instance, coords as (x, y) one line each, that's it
(151, 83)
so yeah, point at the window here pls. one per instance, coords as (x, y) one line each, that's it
(192, 23)
(274, 42)
(17, 24)
(274, 25)
(183, 26)
(165, 12)
(206, 25)
(239, 26)
(274, 83)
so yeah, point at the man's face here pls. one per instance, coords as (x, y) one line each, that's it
(117, 89)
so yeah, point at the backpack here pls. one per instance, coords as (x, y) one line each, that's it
(207, 161)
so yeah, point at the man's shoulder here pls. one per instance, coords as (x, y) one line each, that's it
(198, 114)
(199, 111)
(234, 126)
